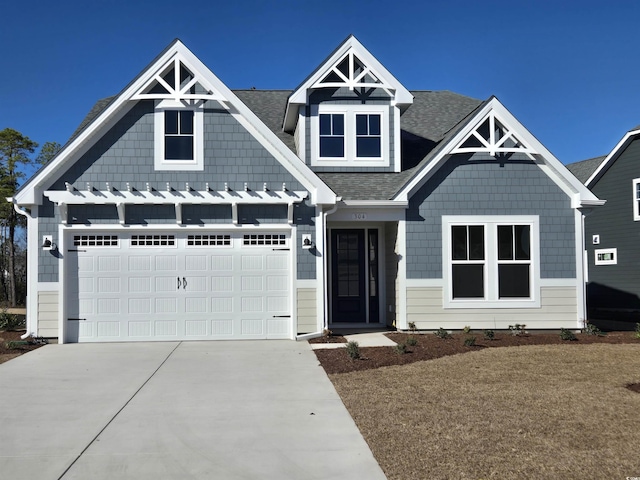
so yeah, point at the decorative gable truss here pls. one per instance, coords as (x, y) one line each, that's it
(176, 80)
(352, 73)
(492, 135)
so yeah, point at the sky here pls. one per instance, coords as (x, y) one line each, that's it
(568, 70)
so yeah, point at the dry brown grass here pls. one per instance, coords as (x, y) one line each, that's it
(543, 412)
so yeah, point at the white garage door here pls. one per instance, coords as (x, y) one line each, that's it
(163, 286)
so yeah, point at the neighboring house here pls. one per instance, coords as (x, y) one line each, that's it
(183, 210)
(612, 232)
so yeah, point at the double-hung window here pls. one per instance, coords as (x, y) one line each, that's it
(350, 135)
(332, 135)
(179, 142)
(491, 262)
(636, 199)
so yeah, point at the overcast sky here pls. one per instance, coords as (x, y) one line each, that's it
(568, 70)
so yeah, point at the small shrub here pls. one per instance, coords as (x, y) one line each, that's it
(10, 321)
(412, 327)
(400, 348)
(412, 341)
(637, 330)
(591, 329)
(353, 350)
(489, 334)
(517, 329)
(567, 335)
(470, 341)
(442, 333)
(13, 344)
(466, 329)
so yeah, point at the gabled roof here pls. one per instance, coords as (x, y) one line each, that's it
(351, 66)
(526, 143)
(585, 168)
(609, 159)
(162, 79)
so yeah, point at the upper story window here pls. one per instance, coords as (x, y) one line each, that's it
(332, 135)
(349, 135)
(179, 142)
(636, 199)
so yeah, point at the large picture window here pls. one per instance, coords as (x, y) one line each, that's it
(490, 261)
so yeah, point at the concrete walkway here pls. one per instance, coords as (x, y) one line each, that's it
(176, 410)
(369, 339)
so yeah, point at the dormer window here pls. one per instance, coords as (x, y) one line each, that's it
(332, 135)
(179, 142)
(349, 135)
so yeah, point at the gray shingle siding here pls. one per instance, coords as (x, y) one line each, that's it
(126, 154)
(615, 286)
(489, 188)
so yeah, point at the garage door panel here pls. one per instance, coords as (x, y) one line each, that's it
(195, 262)
(165, 328)
(109, 285)
(226, 288)
(166, 305)
(140, 285)
(139, 329)
(195, 305)
(222, 305)
(139, 306)
(140, 263)
(196, 328)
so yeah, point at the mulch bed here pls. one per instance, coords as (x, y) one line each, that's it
(11, 345)
(430, 347)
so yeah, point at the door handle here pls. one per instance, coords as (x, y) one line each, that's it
(184, 283)
(178, 283)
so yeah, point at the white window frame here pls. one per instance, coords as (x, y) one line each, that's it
(636, 199)
(350, 159)
(491, 295)
(605, 251)
(160, 163)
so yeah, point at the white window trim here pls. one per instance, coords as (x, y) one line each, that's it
(491, 224)
(600, 251)
(160, 163)
(636, 199)
(350, 159)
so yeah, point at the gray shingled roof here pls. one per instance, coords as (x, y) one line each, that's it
(433, 117)
(585, 168)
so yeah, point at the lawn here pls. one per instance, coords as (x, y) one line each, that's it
(533, 411)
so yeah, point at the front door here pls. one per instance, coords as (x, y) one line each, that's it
(354, 266)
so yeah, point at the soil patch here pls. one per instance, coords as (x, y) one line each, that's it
(429, 347)
(11, 345)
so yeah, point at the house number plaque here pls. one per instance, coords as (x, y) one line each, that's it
(359, 216)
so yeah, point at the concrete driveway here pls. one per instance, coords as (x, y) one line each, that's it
(176, 410)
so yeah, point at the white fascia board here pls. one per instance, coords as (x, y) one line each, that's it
(546, 160)
(299, 97)
(622, 144)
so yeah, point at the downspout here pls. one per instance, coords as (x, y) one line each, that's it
(28, 317)
(325, 263)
